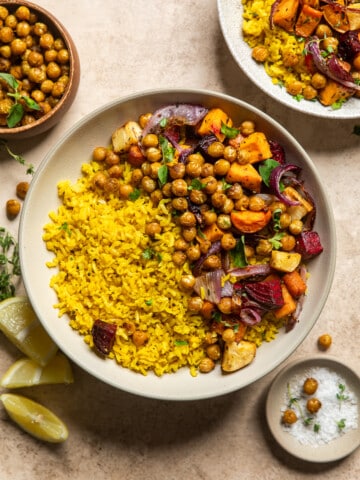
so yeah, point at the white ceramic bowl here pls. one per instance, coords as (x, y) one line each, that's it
(332, 450)
(230, 15)
(64, 161)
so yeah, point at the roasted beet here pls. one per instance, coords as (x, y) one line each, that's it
(205, 142)
(349, 45)
(267, 294)
(277, 151)
(103, 334)
(308, 244)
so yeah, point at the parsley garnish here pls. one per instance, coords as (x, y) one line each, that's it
(196, 184)
(276, 240)
(65, 227)
(180, 343)
(237, 254)
(149, 254)
(229, 132)
(341, 424)
(266, 168)
(149, 302)
(134, 195)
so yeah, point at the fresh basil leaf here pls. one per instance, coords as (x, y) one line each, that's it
(168, 151)
(196, 184)
(266, 168)
(30, 103)
(229, 132)
(15, 115)
(10, 80)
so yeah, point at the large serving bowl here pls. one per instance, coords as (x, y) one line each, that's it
(50, 119)
(64, 162)
(231, 20)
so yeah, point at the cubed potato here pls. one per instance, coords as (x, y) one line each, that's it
(284, 261)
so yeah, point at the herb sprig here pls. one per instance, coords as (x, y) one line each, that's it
(9, 264)
(30, 170)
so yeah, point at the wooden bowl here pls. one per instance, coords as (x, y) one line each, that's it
(51, 118)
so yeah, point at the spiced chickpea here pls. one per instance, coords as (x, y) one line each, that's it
(204, 245)
(235, 192)
(53, 70)
(152, 229)
(99, 154)
(179, 258)
(228, 335)
(289, 417)
(218, 199)
(210, 184)
(216, 149)
(212, 262)
(150, 140)
(188, 233)
(230, 153)
(193, 253)
(223, 221)
(136, 177)
(144, 118)
(214, 351)
(140, 338)
(63, 56)
(195, 304)
(187, 282)
(225, 305)
(154, 170)
(22, 13)
(288, 243)
(323, 30)
(209, 217)
(181, 244)
(318, 81)
(207, 170)
(310, 386)
(296, 227)
(111, 158)
(324, 341)
(148, 184)
(193, 169)
(228, 241)
(12, 208)
(179, 187)
(221, 167)
(177, 171)
(206, 365)
(116, 171)
(156, 196)
(198, 197)
(22, 189)
(187, 219)
(180, 203)
(247, 127)
(125, 190)
(313, 405)
(23, 29)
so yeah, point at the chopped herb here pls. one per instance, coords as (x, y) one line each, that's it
(196, 184)
(298, 97)
(149, 302)
(340, 395)
(276, 219)
(134, 195)
(162, 174)
(20, 159)
(163, 122)
(149, 254)
(266, 168)
(225, 185)
(17, 110)
(9, 264)
(65, 226)
(341, 424)
(316, 427)
(237, 254)
(180, 343)
(276, 240)
(229, 132)
(168, 151)
(337, 105)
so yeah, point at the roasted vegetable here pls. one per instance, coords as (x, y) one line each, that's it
(289, 305)
(125, 136)
(284, 261)
(246, 175)
(247, 221)
(254, 148)
(308, 245)
(237, 355)
(103, 334)
(294, 283)
(307, 21)
(212, 122)
(284, 14)
(267, 293)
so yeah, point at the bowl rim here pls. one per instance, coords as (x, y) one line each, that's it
(335, 449)
(74, 76)
(81, 124)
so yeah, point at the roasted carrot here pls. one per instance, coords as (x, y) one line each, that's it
(247, 221)
(307, 21)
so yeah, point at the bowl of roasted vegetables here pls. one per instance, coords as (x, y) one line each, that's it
(39, 70)
(305, 55)
(186, 248)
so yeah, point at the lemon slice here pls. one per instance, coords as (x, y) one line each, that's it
(34, 418)
(26, 373)
(20, 324)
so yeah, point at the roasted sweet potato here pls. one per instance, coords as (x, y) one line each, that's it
(307, 21)
(294, 283)
(333, 92)
(246, 175)
(254, 148)
(247, 221)
(211, 123)
(289, 306)
(213, 233)
(284, 14)
(335, 16)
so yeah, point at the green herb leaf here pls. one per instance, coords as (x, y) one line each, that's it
(229, 132)
(15, 115)
(196, 184)
(316, 427)
(149, 302)
(276, 219)
(168, 151)
(65, 227)
(9, 264)
(149, 254)
(163, 174)
(134, 195)
(266, 168)
(225, 185)
(237, 255)
(10, 80)
(341, 424)
(163, 122)
(31, 103)
(276, 240)
(180, 343)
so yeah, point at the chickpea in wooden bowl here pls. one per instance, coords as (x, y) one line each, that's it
(39, 70)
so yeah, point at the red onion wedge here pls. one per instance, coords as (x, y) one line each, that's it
(178, 114)
(275, 179)
(330, 66)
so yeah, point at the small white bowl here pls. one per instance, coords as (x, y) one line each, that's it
(64, 162)
(335, 449)
(231, 18)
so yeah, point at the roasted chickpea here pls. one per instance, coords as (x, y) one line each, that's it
(296, 227)
(39, 29)
(260, 53)
(150, 140)
(152, 229)
(214, 351)
(154, 170)
(18, 46)
(210, 183)
(193, 253)
(205, 244)
(181, 244)
(256, 203)
(187, 219)
(167, 190)
(288, 243)
(294, 88)
(144, 118)
(153, 154)
(53, 70)
(198, 197)
(228, 241)
(179, 203)
(111, 186)
(99, 180)
(230, 153)
(324, 341)
(11, 21)
(193, 169)
(318, 81)
(216, 149)
(223, 221)
(313, 405)
(6, 35)
(63, 56)
(195, 304)
(177, 171)
(212, 262)
(206, 365)
(116, 171)
(235, 192)
(156, 196)
(148, 184)
(242, 203)
(99, 154)
(263, 247)
(50, 55)
(330, 44)
(22, 189)
(309, 92)
(310, 386)
(228, 335)
(187, 282)
(188, 233)
(125, 190)
(225, 306)
(207, 170)
(179, 187)
(35, 59)
(111, 158)
(12, 208)
(179, 258)
(36, 75)
(221, 167)
(22, 13)
(290, 59)
(136, 177)
(218, 199)
(323, 31)
(247, 127)
(284, 220)
(289, 417)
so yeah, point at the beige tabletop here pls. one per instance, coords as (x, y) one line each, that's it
(127, 46)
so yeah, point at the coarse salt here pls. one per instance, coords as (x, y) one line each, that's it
(336, 415)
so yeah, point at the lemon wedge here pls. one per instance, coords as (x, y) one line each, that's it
(21, 326)
(26, 373)
(34, 418)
